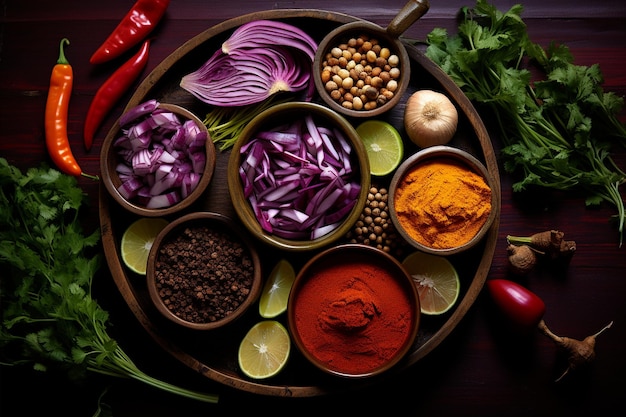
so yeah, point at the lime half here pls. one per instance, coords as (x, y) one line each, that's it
(383, 144)
(437, 281)
(137, 241)
(264, 350)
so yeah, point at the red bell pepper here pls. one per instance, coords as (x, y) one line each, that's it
(112, 90)
(140, 20)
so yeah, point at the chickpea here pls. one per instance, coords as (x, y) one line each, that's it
(325, 76)
(393, 60)
(371, 93)
(376, 82)
(370, 105)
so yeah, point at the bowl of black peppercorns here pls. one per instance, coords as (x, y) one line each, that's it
(203, 273)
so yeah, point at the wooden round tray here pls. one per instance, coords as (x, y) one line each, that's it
(214, 354)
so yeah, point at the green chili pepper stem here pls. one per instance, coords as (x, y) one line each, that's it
(62, 60)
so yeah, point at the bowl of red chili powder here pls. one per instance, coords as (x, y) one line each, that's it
(441, 200)
(353, 311)
(203, 272)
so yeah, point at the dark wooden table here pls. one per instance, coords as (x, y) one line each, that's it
(481, 369)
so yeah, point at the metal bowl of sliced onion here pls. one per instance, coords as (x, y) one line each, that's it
(157, 159)
(298, 176)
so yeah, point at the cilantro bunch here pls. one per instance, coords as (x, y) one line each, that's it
(49, 318)
(557, 131)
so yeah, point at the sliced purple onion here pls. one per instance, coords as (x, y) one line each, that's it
(303, 188)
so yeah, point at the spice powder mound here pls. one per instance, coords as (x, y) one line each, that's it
(442, 204)
(354, 317)
(203, 275)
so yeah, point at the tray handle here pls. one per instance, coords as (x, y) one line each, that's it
(409, 14)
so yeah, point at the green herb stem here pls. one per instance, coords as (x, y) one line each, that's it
(225, 124)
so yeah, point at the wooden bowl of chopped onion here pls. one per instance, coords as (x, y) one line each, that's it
(298, 176)
(158, 159)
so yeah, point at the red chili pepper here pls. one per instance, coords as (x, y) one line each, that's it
(520, 304)
(57, 104)
(112, 90)
(132, 29)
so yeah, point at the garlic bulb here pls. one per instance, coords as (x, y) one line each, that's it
(430, 118)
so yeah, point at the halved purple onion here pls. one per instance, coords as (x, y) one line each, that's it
(260, 58)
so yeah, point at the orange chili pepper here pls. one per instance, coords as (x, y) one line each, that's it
(57, 104)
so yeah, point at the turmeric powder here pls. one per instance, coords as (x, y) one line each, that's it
(442, 204)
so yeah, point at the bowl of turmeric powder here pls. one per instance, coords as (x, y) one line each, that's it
(442, 200)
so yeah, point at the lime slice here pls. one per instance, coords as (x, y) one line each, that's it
(264, 350)
(275, 295)
(437, 281)
(383, 144)
(137, 241)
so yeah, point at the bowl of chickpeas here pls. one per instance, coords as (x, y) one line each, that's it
(360, 70)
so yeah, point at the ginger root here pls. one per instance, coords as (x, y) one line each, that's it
(580, 352)
(521, 258)
(551, 243)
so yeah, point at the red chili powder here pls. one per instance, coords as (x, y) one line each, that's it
(353, 316)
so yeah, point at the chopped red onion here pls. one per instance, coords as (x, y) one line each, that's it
(161, 158)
